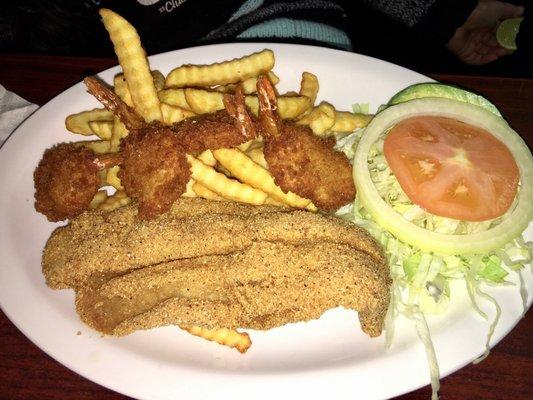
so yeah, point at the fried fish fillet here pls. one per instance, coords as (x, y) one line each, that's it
(266, 285)
(111, 243)
(214, 264)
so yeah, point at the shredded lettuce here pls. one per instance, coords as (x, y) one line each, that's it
(390, 190)
(361, 108)
(421, 280)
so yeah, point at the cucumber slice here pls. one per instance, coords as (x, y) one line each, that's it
(434, 89)
(389, 219)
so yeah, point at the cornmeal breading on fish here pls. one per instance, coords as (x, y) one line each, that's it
(216, 264)
(116, 242)
(266, 285)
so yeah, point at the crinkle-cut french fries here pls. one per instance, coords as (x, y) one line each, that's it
(224, 336)
(205, 101)
(320, 119)
(173, 114)
(102, 129)
(132, 58)
(112, 179)
(97, 146)
(202, 191)
(257, 156)
(247, 171)
(311, 207)
(119, 129)
(219, 183)
(273, 202)
(159, 80)
(249, 85)
(115, 201)
(223, 73)
(347, 122)
(174, 97)
(309, 86)
(188, 189)
(121, 86)
(121, 89)
(79, 123)
(207, 158)
(246, 145)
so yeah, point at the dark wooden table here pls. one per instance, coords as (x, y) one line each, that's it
(26, 373)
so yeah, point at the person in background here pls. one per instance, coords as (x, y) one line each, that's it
(465, 27)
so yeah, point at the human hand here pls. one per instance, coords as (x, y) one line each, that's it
(475, 41)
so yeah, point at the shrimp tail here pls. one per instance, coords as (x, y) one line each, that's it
(115, 104)
(236, 107)
(269, 119)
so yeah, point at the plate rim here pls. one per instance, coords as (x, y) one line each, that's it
(43, 109)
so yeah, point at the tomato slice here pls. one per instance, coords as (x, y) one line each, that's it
(452, 169)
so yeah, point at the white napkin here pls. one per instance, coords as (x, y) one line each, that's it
(13, 110)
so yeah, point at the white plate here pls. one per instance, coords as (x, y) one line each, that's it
(328, 358)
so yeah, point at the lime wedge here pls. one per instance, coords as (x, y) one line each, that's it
(507, 31)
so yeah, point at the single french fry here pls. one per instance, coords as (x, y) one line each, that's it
(121, 86)
(309, 86)
(320, 119)
(79, 123)
(173, 114)
(159, 80)
(247, 171)
(223, 73)
(121, 89)
(207, 158)
(219, 183)
(102, 129)
(347, 122)
(119, 129)
(132, 58)
(205, 101)
(224, 336)
(249, 85)
(289, 107)
(311, 207)
(202, 191)
(273, 202)
(97, 146)
(112, 178)
(98, 199)
(246, 145)
(257, 156)
(188, 189)
(117, 200)
(220, 168)
(174, 97)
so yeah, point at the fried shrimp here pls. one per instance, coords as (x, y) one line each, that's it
(154, 170)
(66, 180)
(222, 129)
(300, 161)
